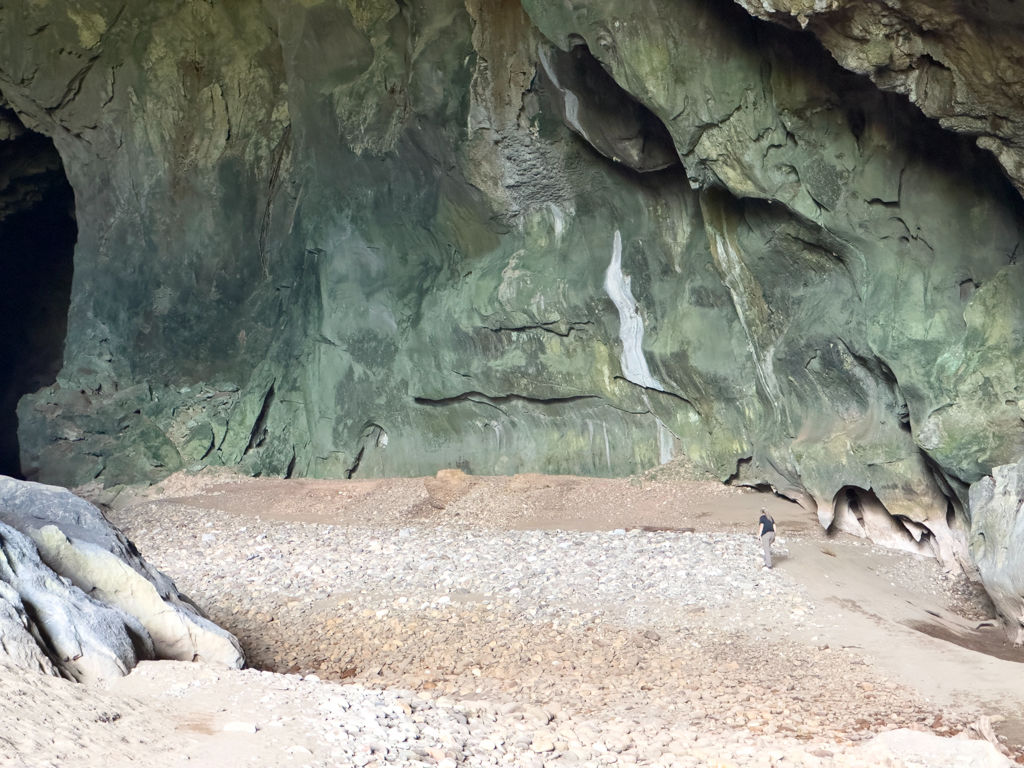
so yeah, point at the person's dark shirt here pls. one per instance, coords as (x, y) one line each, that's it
(766, 524)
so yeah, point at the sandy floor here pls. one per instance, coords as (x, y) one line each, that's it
(889, 598)
(887, 641)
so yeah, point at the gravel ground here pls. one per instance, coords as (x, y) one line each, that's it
(441, 622)
(173, 712)
(570, 647)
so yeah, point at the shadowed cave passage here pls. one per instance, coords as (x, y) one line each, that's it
(38, 232)
(861, 513)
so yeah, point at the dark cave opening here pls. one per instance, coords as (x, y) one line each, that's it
(38, 232)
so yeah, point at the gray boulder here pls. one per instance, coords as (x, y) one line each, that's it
(85, 639)
(20, 642)
(79, 543)
(997, 542)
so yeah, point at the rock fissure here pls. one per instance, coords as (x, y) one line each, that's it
(258, 434)
(494, 400)
(557, 327)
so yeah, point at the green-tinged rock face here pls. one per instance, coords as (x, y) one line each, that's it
(846, 234)
(335, 239)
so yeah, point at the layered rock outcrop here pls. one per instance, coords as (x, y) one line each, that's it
(51, 626)
(358, 237)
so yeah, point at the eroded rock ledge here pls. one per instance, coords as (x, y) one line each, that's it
(366, 238)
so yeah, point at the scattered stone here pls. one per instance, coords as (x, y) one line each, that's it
(518, 635)
(459, 646)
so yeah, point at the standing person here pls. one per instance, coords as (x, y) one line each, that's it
(766, 532)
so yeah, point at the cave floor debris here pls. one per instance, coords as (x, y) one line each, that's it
(530, 621)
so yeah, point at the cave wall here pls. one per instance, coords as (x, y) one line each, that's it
(959, 62)
(340, 238)
(863, 276)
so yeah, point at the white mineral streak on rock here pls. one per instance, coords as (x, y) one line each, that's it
(512, 279)
(631, 326)
(572, 103)
(732, 271)
(558, 218)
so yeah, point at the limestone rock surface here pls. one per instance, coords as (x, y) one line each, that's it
(957, 62)
(78, 543)
(997, 542)
(20, 642)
